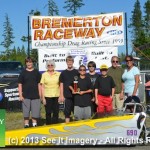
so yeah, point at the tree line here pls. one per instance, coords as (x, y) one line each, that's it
(139, 27)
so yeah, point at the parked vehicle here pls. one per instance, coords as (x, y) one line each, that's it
(9, 96)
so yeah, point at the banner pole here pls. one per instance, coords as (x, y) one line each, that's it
(28, 36)
(126, 28)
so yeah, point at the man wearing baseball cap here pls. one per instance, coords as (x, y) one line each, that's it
(104, 91)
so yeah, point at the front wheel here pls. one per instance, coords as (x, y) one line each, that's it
(143, 136)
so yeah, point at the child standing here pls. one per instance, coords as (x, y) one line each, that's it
(104, 91)
(82, 99)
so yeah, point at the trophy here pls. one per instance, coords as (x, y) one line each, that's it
(75, 84)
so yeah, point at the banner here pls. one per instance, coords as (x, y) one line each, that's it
(100, 55)
(49, 32)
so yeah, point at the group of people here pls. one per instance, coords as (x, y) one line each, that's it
(99, 93)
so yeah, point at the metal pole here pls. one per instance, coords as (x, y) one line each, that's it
(28, 36)
(126, 28)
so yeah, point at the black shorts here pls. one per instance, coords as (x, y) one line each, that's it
(68, 107)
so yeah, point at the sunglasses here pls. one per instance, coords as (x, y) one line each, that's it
(50, 65)
(82, 70)
(128, 60)
(91, 66)
(103, 69)
(115, 61)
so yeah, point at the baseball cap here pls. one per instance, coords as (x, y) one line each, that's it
(103, 67)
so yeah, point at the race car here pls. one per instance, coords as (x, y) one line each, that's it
(125, 127)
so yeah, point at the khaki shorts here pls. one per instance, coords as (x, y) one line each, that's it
(117, 103)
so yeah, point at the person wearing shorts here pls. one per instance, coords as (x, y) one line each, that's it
(30, 92)
(116, 72)
(66, 77)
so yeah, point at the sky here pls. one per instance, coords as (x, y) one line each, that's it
(18, 11)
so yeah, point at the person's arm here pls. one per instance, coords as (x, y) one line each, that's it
(122, 91)
(113, 92)
(84, 92)
(89, 87)
(147, 83)
(113, 87)
(96, 94)
(42, 94)
(21, 98)
(20, 82)
(61, 98)
(40, 91)
(71, 88)
(137, 81)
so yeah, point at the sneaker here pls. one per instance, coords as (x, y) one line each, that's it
(26, 126)
(35, 126)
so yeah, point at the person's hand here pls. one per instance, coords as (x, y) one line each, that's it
(133, 94)
(44, 101)
(96, 101)
(93, 99)
(81, 92)
(111, 97)
(73, 92)
(61, 99)
(121, 96)
(21, 98)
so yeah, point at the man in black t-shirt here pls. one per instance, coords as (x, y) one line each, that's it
(104, 91)
(82, 98)
(66, 77)
(29, 92)
(93, 76)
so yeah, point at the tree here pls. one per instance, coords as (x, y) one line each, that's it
(14, 54)
(136, 20)
(34, 55)
(7, 34)
(73, 6)
(141, 31)
(35, 12)
(147, 18)
(136, 25)
(52, 8)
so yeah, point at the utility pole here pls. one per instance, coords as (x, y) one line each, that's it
(126, 28)
(28, 36)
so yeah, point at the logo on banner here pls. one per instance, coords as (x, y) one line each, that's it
(114, 32)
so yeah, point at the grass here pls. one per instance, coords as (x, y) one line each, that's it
(14, 120)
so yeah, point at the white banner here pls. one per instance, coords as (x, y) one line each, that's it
(100, 55)
(79, 31)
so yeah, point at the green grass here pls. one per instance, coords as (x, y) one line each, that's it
(14, 120)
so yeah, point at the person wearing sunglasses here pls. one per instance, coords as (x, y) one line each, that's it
(93, 76)
(116, 72)
(131, 77)
(30, 92)
(104, 91)
(50, 92)
(82, 98)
